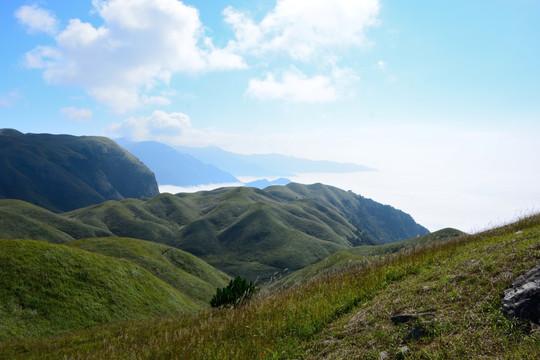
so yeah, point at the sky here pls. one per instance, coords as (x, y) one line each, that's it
(442, 98)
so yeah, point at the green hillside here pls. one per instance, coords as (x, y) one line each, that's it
(186, 273)
(456, 284)
(360, 255)
(47, 289)
(243, 231)
(64, 172)
(19, 219)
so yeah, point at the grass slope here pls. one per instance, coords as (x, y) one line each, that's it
(186, 273)
(359, 255)
(252, 232)
(345, 315)
(47, 289)
(19, 219)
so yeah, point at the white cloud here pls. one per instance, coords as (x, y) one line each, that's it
(7, 100)
(168, 128)
(293, 86)
(139, 47)
(74, 114)
(36, 20)
(304, 29)
(381, 65)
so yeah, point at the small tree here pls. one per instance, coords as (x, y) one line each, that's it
(237, 291)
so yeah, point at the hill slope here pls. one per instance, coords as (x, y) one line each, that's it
(64, 172)
(252, 232)
(452, 288)
(186, 273)
(242, 231)
(46, 289)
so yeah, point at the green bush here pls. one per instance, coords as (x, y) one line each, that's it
(237, 291)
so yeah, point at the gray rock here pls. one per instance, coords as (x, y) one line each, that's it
(522, 300)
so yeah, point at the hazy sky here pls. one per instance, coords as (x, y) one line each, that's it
(441, 97)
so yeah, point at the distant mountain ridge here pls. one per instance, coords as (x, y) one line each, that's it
(65, 172)
(172, 167)
(267, 165)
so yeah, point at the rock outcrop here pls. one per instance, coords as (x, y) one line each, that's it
(522, 300)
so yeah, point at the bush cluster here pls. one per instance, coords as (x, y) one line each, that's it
(237, 291)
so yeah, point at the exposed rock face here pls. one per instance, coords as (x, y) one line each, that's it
(522, 300)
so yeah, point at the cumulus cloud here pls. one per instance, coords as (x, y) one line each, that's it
(293, 86)
(304, 29)
(169, 128)
(75, 114)
(36, 19)
(139, 47)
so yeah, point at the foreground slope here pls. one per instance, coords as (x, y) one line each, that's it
(64, 172)
(46, 289)
(458, 282)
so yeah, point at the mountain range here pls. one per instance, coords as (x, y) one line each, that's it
(172, 167)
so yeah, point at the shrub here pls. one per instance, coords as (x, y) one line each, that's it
(237, 291)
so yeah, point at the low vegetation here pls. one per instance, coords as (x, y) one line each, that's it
(344, 315)
(238, 291)
(48, 289)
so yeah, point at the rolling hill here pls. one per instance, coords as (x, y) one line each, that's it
(47, 289)
(184, 272)
(241, 231)
(64, 172)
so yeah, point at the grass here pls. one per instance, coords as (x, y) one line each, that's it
(345, 315)
(49, 289)
(186, 273)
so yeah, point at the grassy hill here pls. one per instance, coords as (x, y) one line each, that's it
(19, 219)
(64, 172)
(345, 315)
(47, 289)
(358, 256)
(255, 233)
(186, 273)
(242, 231)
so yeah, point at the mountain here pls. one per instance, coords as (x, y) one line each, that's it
(266, 165)
(264, 183)
(171, 167)
(241, 231)
(438, 301)
(64, 172)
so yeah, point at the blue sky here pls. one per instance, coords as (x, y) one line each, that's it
(442, 97)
